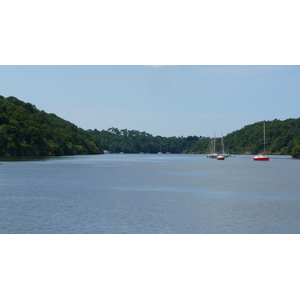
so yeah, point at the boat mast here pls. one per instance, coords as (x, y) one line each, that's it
(214, 141)
(222, 143)
(264, 138)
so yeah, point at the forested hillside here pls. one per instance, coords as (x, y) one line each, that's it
(281, 138)
(25, 130)
(134, 141)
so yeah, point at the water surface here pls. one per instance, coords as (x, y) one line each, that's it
(150, 193)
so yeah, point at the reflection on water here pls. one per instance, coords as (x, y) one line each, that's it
(31, 158)
(149, 194)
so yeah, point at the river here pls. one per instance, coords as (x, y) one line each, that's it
(149, 194)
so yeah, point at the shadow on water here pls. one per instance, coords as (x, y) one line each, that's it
(31, 158)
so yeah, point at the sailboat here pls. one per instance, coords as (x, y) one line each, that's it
(221, 156)
(159, 150)
(262, 156)
(223, 152)
(213, 153)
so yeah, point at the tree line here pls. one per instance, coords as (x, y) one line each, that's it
(25, 130)
(134, 141)
(281, 138)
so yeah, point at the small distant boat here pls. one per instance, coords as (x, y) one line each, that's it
(160, 150)
(213, 153)
(223, 152)
(262, 156)
(226, 154)
(106, 152)
(220, 157)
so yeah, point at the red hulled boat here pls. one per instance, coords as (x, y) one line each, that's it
(262, 156)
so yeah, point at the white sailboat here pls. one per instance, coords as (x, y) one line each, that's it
(213, 153)
(221, 156)
(223, 151)
(262, 156)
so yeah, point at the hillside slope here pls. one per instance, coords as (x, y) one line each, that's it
(281, 138)
(25, 130)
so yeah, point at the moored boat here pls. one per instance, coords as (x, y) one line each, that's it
(212, 151)
(220, 157)
(212, 155)
(262, 156)
(223, 154)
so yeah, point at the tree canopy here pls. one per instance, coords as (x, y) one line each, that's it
(281, 138)
(296, 152)
(134, 141)
(25, 130)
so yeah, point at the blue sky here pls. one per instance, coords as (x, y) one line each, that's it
(163, 67)
(161, 100)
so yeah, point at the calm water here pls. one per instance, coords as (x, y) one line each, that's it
(145, 193)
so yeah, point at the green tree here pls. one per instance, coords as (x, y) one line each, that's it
(25, 130)
(296, 152)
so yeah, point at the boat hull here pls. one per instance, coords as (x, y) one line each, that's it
(261, 158)
(212, 155)
(220, 157)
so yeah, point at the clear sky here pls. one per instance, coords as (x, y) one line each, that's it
(164, 67)
(161, 100)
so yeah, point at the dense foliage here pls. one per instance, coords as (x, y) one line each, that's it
(25, 130)
(134, 141)
(281, 138)
(296, 152)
